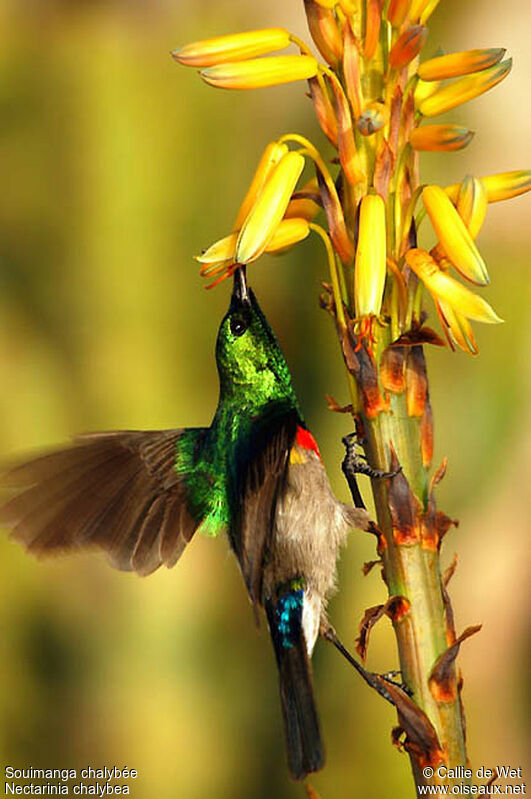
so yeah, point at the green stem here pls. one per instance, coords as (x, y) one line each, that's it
(412, 571)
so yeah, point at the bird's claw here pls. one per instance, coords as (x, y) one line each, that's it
(356, 463)
(388, 677)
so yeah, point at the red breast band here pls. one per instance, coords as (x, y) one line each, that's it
(305, 440)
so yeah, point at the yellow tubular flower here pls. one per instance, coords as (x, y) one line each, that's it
(417, 8)
(445, 288)
(223, 252)
(452, 192)
(506, 185)
(439, 255)
(302, 208)
(269, 208)
(458, 328)
(464, 89)
(220, 252)
(259, 73)
(472, 204)
(454, 65)
(440, 137)
(270, 158)
(408, 46)
(423, 90)
(503, 186)
(397, 12)
(454, 236)
(326, 3)
(370, 269)
(288, 233)
(429, 8)
(234, 47)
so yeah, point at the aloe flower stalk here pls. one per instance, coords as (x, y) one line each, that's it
(371, 95)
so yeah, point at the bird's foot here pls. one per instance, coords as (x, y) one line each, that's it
(376, 681)
(356, 462)
(389, 676)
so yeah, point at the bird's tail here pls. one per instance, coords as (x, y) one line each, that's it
(301, 722)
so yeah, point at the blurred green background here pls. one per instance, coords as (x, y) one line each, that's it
(117, 167)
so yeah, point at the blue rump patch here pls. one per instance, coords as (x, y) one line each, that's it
(289, 617)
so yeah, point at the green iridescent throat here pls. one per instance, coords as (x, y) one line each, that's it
(255, 384)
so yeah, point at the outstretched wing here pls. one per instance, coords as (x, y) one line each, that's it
(117, 491)
(261, 464)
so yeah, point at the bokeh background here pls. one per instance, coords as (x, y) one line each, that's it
(118, 166)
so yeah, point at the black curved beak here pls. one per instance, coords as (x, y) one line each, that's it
(240, 291)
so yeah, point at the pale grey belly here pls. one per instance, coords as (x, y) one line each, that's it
(309, 529)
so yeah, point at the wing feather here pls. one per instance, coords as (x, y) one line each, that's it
(178, 528)
(117, 491)
(261, 467)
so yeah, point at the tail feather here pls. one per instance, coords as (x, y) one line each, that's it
(301, 721)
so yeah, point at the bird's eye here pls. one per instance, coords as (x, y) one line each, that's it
(238, 326)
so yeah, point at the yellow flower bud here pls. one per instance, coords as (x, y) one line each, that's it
(397, 12)
(370, 268)
(268, 210)
(303, 208)
(259, 73)
(270, 158)
(440, 137)
(464, 89)
(454, 236)
(446, 288)
(506, 185)
(234, 47)
(472, 204)
(373, 19)
(288, 233)
(408, 46)
(421, 10)
(423, 90)
(454, 65)
(349, 6)
(325, 31)
(428, 10)
(416, 9)
(452, 192)
(502, 186)
(221, 256)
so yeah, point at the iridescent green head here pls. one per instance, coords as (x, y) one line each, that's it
(252, 368)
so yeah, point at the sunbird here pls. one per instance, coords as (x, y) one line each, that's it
(255, 474)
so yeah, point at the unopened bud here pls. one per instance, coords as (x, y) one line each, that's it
(370, 269)
(259, 73)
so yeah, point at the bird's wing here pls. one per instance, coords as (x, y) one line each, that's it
(117, 491)
(261, 465)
